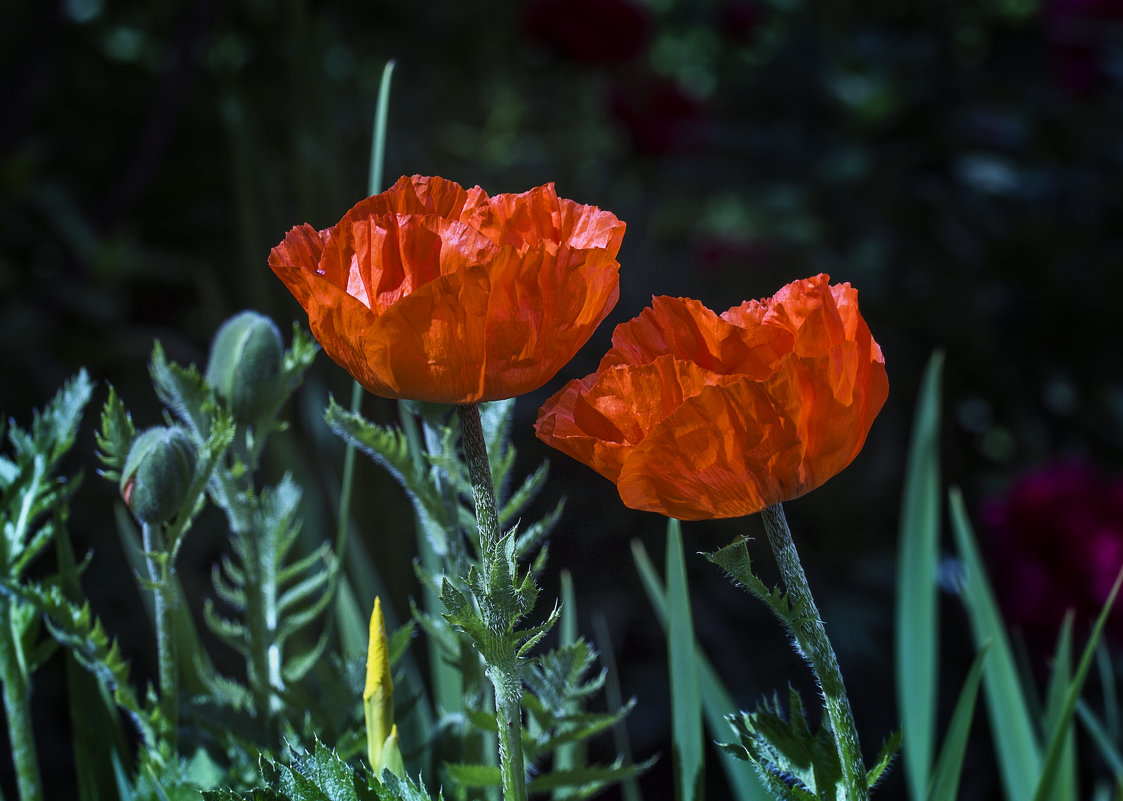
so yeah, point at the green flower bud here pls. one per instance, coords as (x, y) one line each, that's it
(245, 364)
(158, 472)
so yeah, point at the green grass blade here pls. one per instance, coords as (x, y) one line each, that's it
(1054, 755)
(1101, 738)
(1110, 694)
(1016, 747)
(567, 756)
(949, 767)
(717, 702)
(378, 136)
(1059, 683)
(917, 644)
(614, 699)
(686, 699)
(374, 185)
(98, 736)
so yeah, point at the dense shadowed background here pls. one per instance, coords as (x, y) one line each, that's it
(959, 162)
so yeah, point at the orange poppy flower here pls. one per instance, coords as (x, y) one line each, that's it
(700, 416)
(432, 292)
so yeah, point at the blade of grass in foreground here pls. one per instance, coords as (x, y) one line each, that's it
(629, 787)
(1016, 748)
(686, 701)
(567, 756)
(1059, 732)
(917, 608)
(717, 702)
(1059, 682)
(949, 768)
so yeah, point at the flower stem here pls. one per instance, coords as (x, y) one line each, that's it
(496, 606)
(811, 637)
(17, 706)
(163, 596)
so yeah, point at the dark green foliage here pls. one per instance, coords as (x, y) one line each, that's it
(558, 683)
(321, 775)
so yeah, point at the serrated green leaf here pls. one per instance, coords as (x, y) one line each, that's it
(229, 631)
(54, 429)
(386, 445)
(83, 635)
(595, 777)
(115, 437)
(735, 561)
(469, 776)
(228, 582)
(184, 392)
(311, 586)
(784, 746)
(296, 667)
(526, 493)
(534, 535)
(885, 756)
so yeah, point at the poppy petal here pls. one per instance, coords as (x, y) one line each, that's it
(785, 392)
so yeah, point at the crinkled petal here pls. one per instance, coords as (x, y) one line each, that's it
(725, 452)
(493, 331)
(689, 330)
(538, 216)
(791, 387)
(600, 419)
(298, 255)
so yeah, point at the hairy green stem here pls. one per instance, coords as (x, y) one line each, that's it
(163, 605)
(811, 636)
(17, 706)
(498, 578)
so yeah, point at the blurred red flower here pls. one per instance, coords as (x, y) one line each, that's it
(658, 114)
(1056, 543)
(593, 32)
(1080, 34)
(699, 416)
(431, 292)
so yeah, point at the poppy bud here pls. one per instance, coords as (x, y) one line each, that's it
(244, 364)
(158, 472)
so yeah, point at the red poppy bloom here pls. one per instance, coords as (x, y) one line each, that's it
(435, 293)
(700, 416)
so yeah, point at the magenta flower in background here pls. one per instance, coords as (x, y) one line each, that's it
(658, 114)
(1079, 34)
(597, 33)
(1056, 543)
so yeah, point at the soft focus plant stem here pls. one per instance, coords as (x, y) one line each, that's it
(811, 637)
(17, 706)
(163, 598)
(498, 580)
(374, 186)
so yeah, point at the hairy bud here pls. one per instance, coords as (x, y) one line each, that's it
(245, 363)
(158, 472)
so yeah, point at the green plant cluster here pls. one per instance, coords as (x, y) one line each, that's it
(289, 723)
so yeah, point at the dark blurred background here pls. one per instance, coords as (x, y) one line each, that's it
(959, 162)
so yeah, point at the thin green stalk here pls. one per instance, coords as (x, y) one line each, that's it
(163, 596)
(17, 706)
(498, 578)
(374, 185)
(811, 636)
